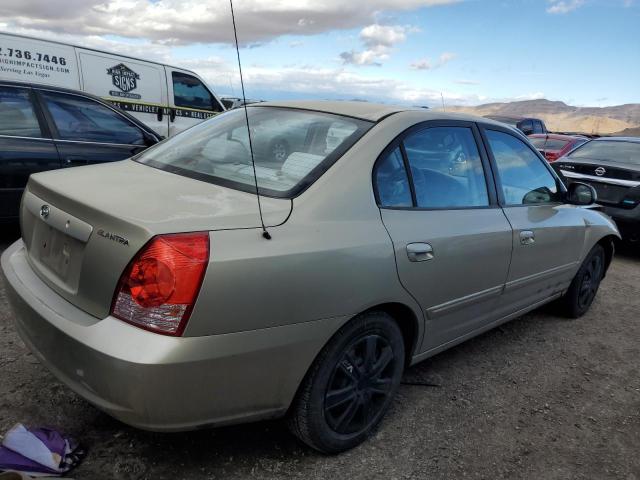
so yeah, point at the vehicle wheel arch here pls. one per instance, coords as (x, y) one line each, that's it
(608, 243)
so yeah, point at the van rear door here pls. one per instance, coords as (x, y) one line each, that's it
(190, 100)
(135, 86)
(28, 60)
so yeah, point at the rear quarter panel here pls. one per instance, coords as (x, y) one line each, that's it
(333, 257)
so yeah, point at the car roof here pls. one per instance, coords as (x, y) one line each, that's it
(373, 112)
(617, 139)
(558, 136)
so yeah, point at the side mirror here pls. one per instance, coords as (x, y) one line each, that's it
(581, 194)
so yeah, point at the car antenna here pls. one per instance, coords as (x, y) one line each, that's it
(265, 233)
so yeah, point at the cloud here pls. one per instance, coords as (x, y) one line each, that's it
(378, 41)
(181, 22)
(427, 64)
(563, 6)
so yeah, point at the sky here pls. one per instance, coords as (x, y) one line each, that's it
(416, 52)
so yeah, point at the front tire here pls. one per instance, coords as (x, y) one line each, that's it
(585, 284)
(351, 384)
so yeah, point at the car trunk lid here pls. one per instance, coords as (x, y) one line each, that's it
(82, 226)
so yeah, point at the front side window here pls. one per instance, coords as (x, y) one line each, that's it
(446, 168)
(523, 176)
(190, 92)
(291, 148)
(392, 183)
(85, 120)
(537, 127)
(17, 117)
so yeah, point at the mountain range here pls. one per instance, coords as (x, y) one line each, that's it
(560, 117)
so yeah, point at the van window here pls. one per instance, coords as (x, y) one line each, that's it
(17, 117)
(82, 119)
(190, 92)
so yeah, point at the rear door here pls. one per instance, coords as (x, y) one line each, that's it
(86, 131)
(190, 100)
(451, 239)
(26, 146)
(135, 86)
(548, 235)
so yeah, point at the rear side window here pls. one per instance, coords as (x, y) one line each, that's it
(446, 168)
(82, 119)
(190, 92)
(17, 117)
(526, 126)
(391, 181)
(523, 176)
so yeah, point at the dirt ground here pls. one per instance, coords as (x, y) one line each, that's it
(541, 397)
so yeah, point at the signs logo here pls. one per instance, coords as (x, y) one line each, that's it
(125, 80)
(600, 171)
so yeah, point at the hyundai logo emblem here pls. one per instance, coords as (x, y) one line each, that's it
(600, 171)
(44, 211)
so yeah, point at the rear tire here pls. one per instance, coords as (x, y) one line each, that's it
(584, 287)
(350, 386)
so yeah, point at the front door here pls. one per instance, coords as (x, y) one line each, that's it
(548, 235)
(451, 239)
(190, 101)
(88, 132)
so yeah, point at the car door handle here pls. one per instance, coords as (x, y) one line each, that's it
(419, 252)
(527, 237)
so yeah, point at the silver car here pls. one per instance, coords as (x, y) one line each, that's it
(150, 287)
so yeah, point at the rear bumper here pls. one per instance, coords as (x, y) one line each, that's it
(157, 382)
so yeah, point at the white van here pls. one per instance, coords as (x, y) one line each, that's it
(167, 99)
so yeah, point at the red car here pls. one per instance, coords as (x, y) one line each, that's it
(553, 145)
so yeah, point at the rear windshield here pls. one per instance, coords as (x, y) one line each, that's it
(548, 144)
(292, 148)
(614, 151)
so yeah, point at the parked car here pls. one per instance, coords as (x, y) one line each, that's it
(526, 125)
(167, 99)
(553, 146)
(149, 287)
(612, 166)
(45, 128)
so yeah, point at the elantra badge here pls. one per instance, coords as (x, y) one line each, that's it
(600, 171)
(44, 211)
(113, 237)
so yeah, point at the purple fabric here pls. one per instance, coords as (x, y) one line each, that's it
(65, 448)
(52, 439)
(10, 460)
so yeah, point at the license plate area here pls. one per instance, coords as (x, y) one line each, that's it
(58, 255)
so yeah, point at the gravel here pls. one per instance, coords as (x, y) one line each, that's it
(539, 397)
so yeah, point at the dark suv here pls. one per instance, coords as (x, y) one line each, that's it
(44, 128)
(526, 125)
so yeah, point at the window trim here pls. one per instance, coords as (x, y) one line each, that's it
(483, 127)
(45, 132)
(55, 134)
(398, 141)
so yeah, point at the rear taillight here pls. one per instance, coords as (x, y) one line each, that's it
(159, 287)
